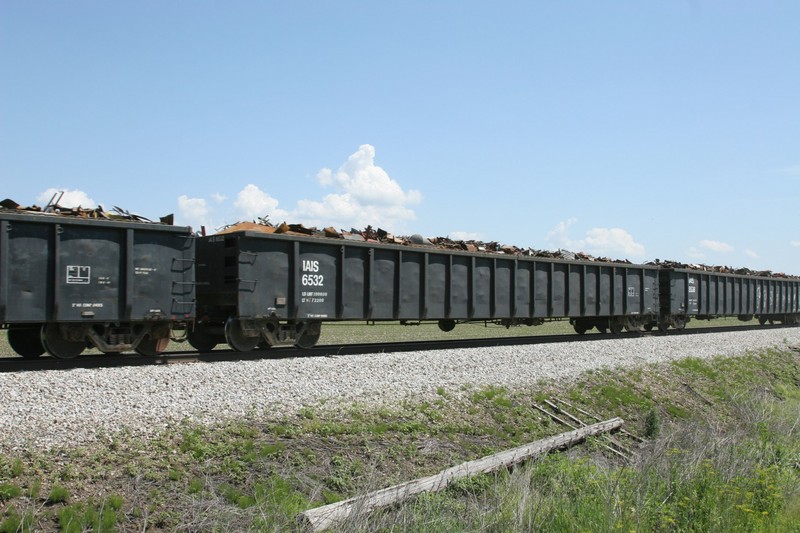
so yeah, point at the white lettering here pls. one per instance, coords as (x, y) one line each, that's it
(310, 266)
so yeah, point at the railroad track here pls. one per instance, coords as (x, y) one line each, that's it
(19, 364)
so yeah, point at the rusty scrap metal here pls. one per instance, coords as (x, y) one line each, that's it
(53, 208)
(381, 236)
(717, 269)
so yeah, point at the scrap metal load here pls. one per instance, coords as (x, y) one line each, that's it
(380, 236)
(96, 213)
(721, 269)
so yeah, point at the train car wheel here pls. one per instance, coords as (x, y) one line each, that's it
(201, 340)
(26, 340)
(580, 327)
(310, 335)
(151, 347)
(663, 327)
(236, 338)
(447, 325)
(615, 326)
(57, 345)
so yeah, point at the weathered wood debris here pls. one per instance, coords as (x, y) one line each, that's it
(328, 516)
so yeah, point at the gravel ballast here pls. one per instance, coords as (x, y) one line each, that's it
(63, 408)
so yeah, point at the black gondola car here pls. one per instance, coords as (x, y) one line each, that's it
(267, 289)
(67, 283)
(687, 293)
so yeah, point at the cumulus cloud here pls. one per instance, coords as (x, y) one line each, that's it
(599, 241)
(363, 194)
(716, 246)
(366, 183)
(253, 203)
(751, 253)
(193, 211)
(70, 198)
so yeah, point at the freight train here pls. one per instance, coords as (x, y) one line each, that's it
(69, 283)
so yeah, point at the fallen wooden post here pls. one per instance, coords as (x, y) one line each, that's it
(623, 431)
(564, 423)
(322, 518)
(618, 447)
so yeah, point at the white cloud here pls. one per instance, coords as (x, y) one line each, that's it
(612, 239)
(751, 253)
(795, 243)
(716, 246)
(365, 182)
(252, 203)
(193, 211)
(364, 194)
(560, 234)
(599, 241)
(74, 198)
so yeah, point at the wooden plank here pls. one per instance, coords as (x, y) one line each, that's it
(327, 516)
(565, 423)
(624, 432)
(616, 444)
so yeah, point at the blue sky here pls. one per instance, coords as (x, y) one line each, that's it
(623, 129)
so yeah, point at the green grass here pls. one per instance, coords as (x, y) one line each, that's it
(709, 467)
(363, 332)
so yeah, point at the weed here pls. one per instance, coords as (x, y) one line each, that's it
(272, 449)
(58, 494)
(696, 366)
(307, 412)
(677, 412)
(487, 393)
(237, 497)
(196, 486)
(82, 517)
(652, 423)
(9, 491)
(14, 522)
(278, 494)
(614, 396)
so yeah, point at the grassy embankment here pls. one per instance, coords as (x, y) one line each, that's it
(723, 455)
